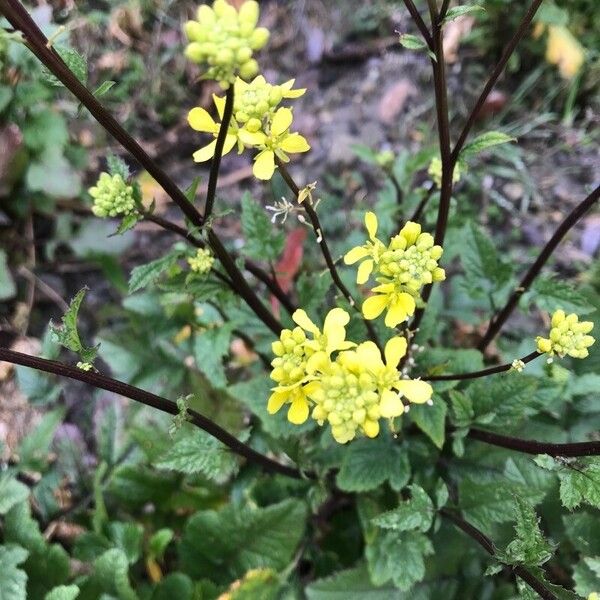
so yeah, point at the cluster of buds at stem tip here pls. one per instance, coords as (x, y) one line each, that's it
(223, 40)
(568, 336)
(402, 267)
(112, 196)
(335, 381)
(201, 262)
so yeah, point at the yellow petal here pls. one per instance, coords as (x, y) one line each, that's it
(294, 143)
(335, 321)
(288, 92)
(220, 104)
(410, 232)
(205, 153)
(276, 401)
(264, 165)
(356, 254)
(415, 390)
(257, 138)
(364, 271)
(282, 120)
(230, 142)
(312, 388)
(384, 288)
(373, 306)
(301, 318)
(390, 405)
(200, 120)
(400, 310)
(298, 412)
(395, 349)
(316, 362)
(371, 428)
(369, 356)
(371, 224)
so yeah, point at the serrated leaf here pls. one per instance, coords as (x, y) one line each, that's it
(111, 571)
(117, 166)
(211, 346)
(398, 557)
(431, 420)
(485, 141)
(68, 336)
(196, 451)
(226, 544)
(368, 463)
(144, 275)
(76, 62)
(13, 581)
(529, 547)
(579, 479)
(415, 513)
(263, 242)
(412, 42)
(459, 11)
(12, 492)
(550, 294)
(558, 591)
(103, 88)
(63, 592)
(127, 537)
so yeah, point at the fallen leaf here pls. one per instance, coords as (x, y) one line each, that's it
(454, 32)
(394, 99)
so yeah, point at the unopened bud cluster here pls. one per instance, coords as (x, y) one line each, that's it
(201, 262)
(568, 336)
(112, 196)
(223, 40)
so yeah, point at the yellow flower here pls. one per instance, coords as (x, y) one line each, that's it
(202, 262)
(274, 140)
(594, 596)
(297, 396)
(565, 51)
(568, 336)
(371, 250)
(400, 305)
(388, 377)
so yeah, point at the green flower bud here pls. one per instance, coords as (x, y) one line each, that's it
(249, 13)
(249, 69)
(259, 38)
(194, 31)
(194, 52)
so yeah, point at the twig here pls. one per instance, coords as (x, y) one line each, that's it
(487, 88)
(316, 225)
(216, 159)
(414, 13)
(482, 372)
(577, 213)
(118, 387)
(50, 292)
(486, 543)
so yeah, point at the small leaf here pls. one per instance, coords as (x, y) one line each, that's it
(459, 11)
(12, 492)
(190, 192)
(485, 141)
(210, 348)
(415, 513)
(159, 541)
(76, 62)
(145, 275)
(63, 592)
(103, 88)
(412, 42)
(111, 571)
(117, 166)
(431, 420)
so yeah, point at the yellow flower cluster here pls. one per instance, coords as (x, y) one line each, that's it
(568, 336)
(350, 391)
(223, 40)
(202, 262)
(112, 196)
(402, 268)
(258, 122)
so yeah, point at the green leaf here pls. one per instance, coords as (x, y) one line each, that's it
(398, 557)
(462, 413)
(352, 584)
(481, 260)
(583, 530)
(127, 222)
(111, 571)
(117, 166)
(63, 592)
(76, 62)
(551, 294)
(226, 544)
(485, 141)
(13, 581)
(7, 284)
(196, 451)
(103, 88)
(46, 130)
(159, 541)
(559, 592)
(34, 448)
(52, 174)
(586, 575)
(68, 336)
(431, 420)
(579, 479)
(415, 513)
(459, 11)
(366, 464)
(175, 586)
(12, 492)
(262, 241)
(127, 537)
(412, 42)
(210, 348)
(145, 275)
(190, 192)
(529, 547)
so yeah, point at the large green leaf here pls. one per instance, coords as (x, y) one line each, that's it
(550, 294)
(144, 275)
(225, 544)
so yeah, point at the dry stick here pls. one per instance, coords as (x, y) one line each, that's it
(510, 48)
(216, 159)
(316, 225)
(573, 449)
(482, 372)
(577, 213)
(152, 400)
(486, 543)
(19, 18)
